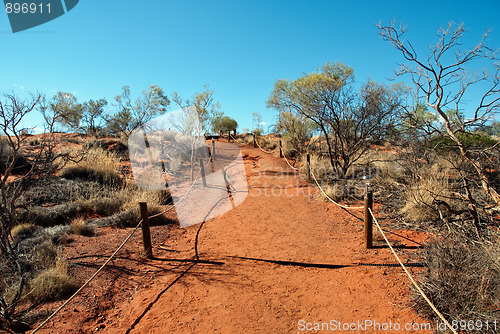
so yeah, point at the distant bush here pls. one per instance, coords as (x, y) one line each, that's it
(469, 139)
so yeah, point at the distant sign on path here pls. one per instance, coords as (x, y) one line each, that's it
(166, 153)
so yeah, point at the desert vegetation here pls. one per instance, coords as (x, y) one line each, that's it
(431, 167)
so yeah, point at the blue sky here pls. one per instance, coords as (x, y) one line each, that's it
(240, 47)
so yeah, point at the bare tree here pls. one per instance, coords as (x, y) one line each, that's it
(20, 170)
(204, 105)
(444, 79)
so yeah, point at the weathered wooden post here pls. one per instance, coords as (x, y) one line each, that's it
(203, 173)
(254, 141)
(308, 167)
(368, 219)
(146, 234)
(213, 149)
(281, 150)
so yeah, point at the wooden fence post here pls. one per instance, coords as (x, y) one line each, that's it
(254, 141)
(368, 219)
(203, 173)
(308, 167)
(213, 149)
(281, 150)
(146, 234)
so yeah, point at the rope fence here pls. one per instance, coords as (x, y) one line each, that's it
(422, 293)
(53, 314)
(370, 217)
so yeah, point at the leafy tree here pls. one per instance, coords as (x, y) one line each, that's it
(62, 109)
(132, 114)
(349, 122)
(296, 129)
(92, 116)
(444, 79)
(224, 123)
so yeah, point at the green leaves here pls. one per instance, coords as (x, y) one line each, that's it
(224, 123)
(132, 114)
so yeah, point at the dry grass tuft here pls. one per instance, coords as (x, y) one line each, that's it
(23, 231)
(45, 255)
(422, 194)
(320, 166)
(97, 165)
(51, 284)
(342, 191)
(80, 227)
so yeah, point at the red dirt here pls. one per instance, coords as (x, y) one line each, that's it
(279, 220)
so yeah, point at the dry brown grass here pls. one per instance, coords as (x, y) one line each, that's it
(97, 165)
(50, 284)
(320, 166)
(23, 231)
(422, 194)
(81, 228)
(463, 279)
(45, 255)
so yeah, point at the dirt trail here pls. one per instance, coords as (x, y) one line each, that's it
(233, 290)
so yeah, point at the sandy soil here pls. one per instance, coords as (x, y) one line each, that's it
(239, 285)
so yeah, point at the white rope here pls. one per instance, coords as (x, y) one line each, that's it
(331, 200)
(263, 150)
(88, 281)
(434, 308)
(294, 168)
(109, 259)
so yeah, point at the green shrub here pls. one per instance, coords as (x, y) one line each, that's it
(469, 139)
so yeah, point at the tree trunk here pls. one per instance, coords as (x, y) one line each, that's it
(330, 154)
(485, 183)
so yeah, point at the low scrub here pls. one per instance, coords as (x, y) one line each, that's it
(422, 195)
(23, 231)
(463, 280)
(51, 284)
(82, 228)
(344, 190)
(97, 165)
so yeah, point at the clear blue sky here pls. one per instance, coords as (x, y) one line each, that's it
(239, 47)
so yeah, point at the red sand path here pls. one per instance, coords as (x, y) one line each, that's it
(235, 295)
